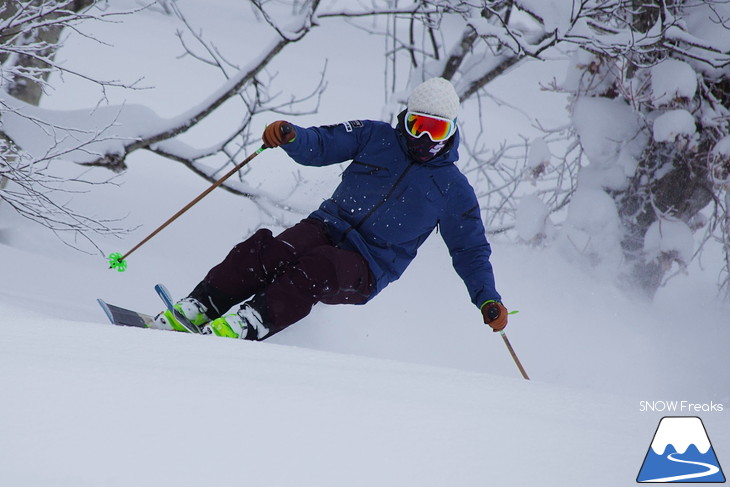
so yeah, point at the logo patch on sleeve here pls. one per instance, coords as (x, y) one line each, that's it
(353, 124)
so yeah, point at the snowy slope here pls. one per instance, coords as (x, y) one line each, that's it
(92, 405)
(88, 404)
(411, 389)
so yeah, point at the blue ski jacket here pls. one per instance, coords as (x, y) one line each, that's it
(387, 204)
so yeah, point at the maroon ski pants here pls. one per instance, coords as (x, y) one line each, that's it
(286, 275)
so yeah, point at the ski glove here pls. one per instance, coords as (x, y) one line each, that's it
(278, 133)
(495, 315)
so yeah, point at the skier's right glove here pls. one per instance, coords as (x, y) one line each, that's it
(495, 315)
(278, 133)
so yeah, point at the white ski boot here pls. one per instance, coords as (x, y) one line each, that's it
(245, 324)
(191, 308)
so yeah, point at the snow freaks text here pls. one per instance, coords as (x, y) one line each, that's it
(682, 407)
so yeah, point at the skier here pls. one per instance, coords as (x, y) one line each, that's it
(401, 184)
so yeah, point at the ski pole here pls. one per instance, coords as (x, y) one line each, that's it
(493, 314)
(514, 355)
(117, 260)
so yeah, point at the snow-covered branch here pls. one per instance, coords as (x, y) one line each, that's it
(37, 194)
(30, 35)
(246, 78)
(105, 135)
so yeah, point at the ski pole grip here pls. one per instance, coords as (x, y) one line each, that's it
(288, 134)
(493, 313)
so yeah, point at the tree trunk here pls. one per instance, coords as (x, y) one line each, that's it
(671, 180)
(681, 192)
(25, 89)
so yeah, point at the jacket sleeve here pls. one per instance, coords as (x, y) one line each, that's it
(462, 230)
(331, 144)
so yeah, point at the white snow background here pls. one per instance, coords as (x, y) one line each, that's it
(411, 389)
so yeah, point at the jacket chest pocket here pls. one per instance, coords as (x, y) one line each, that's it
(423, 195)
(363, 169)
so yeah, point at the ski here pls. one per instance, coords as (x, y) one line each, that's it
(166, 297)
(125, 317)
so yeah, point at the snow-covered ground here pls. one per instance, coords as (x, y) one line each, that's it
(411, 389)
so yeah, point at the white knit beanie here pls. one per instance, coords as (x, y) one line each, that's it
(435, 96)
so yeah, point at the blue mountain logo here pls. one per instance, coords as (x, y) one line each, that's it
(681, 452)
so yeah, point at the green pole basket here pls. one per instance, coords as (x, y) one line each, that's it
(117, 262)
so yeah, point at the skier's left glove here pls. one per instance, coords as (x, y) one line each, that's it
(495, 315)
(278, 133)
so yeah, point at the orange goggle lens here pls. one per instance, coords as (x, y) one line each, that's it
(437, 128)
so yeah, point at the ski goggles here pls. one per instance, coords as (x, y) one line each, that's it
(437, 128)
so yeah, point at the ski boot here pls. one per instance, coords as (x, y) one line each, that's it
(191, 308)
(245, 324)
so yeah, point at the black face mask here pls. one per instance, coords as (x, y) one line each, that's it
(422, 149)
